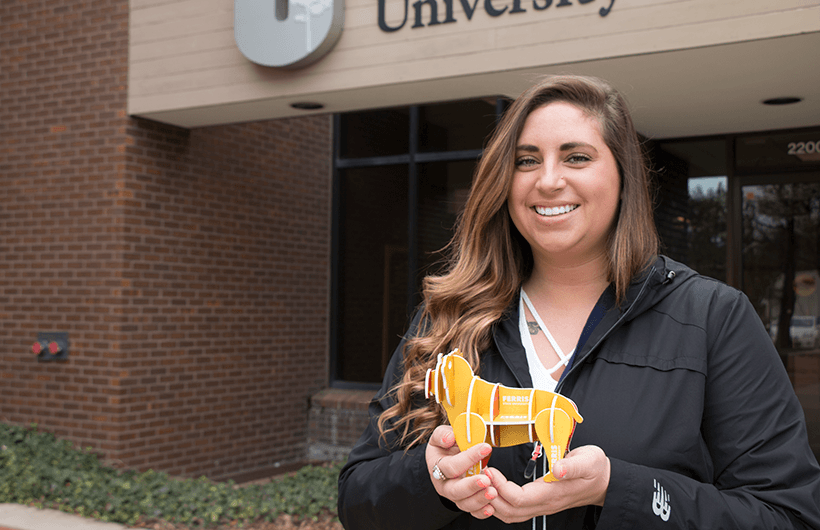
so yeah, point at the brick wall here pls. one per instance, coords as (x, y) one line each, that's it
(337, 420)
(190, 268)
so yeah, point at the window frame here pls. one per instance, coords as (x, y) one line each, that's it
(413, 158)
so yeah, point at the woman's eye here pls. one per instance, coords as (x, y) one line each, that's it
(525, 162)
(578, 158)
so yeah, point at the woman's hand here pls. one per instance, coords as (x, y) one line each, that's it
(471, 494)
(583, 480)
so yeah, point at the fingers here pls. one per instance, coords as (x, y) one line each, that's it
(443, 437)
(458, 464)
(472, 494)
(485, 512)
(589, 465)
(443, 452)
(574, 465)
(582, 463)
(496, 477)
(583, 480)
(442, 444)
(509, 493)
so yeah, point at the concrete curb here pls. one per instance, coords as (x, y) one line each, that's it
(19, 517)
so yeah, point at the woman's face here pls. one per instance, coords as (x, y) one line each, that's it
(565, 188)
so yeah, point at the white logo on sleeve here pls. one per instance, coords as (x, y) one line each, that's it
(660, 502)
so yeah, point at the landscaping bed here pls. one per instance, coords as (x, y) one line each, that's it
(37, 469)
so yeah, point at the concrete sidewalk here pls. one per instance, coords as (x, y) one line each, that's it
(19, 517)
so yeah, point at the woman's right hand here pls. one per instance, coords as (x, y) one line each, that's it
(471, 494)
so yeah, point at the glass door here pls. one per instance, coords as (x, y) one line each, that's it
(781, 276)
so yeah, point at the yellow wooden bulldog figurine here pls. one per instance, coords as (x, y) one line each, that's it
(480, 411)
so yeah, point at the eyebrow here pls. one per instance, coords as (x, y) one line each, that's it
(568, 146)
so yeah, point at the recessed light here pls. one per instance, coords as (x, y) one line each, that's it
(782, 101)
(307, 105)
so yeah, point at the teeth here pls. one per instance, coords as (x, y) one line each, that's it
(558, 210)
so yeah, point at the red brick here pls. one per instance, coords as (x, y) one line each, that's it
(189, 267)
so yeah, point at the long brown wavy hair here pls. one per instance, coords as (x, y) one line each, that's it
(488, 259)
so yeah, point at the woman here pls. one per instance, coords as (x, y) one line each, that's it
(554, 282)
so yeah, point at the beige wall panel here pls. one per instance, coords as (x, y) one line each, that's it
(159, 50)
(637, 20)
(183, 58)
(207, 61)
(157, 12)
(470, 51)
(646, 29)
(358, 17)
(168, 30)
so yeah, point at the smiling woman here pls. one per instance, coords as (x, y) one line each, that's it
(553, 282)
(563, 200)
(565, 187)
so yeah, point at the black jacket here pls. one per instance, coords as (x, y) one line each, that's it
(681, 387)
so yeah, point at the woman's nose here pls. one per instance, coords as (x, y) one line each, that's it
(550, 178)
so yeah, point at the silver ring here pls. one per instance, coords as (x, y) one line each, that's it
(437, 474)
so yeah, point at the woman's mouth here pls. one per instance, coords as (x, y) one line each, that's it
(552, 212)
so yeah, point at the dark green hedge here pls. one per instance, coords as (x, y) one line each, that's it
(38, 469)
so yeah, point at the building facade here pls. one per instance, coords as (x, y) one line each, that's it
(225, 252)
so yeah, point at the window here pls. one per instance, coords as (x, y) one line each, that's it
(691, 212)
(401, 177)
(759, 229)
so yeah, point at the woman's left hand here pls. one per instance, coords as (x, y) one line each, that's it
(583, 480)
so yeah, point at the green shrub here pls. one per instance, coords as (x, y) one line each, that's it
(38, 469)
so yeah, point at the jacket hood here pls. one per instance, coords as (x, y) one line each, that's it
(661, 278)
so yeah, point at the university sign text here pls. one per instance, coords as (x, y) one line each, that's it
(296, 33)
(494, 8)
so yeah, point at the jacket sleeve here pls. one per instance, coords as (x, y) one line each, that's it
(382, 486)
(764, 473)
